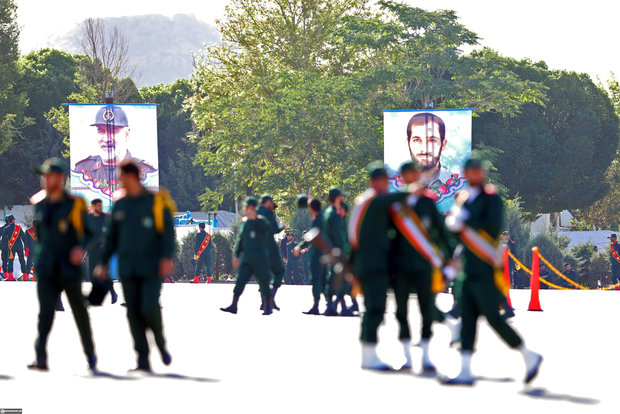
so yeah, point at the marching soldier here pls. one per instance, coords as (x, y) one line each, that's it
(12, 244)
(62, 236)
(477, 219)
(334, 231)
(202, 253)
(97, 220)
(141, 232)
(368, 235)
(30, 241)
(418, 255)
(266, 210)
(317, 270)
(251, 256)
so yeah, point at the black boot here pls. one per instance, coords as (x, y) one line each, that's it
(314, 310)
(268, 301)
(273, 298)
(355, 308)
(344, 311)
(331, 308)
(233, 306)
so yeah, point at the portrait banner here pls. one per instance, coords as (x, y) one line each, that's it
(439, 140)
(101, 137)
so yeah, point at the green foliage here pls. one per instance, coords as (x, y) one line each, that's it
(553, 156)
(583, 252)
(518, 228)
(550, 247)
(300, 222)
(601, 268)
(12, 102)
(223, 254)
(183, 266)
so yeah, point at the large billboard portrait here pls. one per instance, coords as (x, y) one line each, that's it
(101, 137)
(439, 140)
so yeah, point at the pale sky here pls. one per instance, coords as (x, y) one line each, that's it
(573, 35)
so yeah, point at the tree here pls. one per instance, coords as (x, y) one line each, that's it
(553, 156)
(46, 80)
(12, 103)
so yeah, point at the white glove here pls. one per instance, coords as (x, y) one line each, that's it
(450, 272)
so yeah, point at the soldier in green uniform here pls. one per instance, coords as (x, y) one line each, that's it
(252, 256)
(292, 262)
(266, 210)
(202, 253)
(417, 255)
(140, 230)
(368, 235)
(62, 239)
(318, 272)
(97, 220)
(335, 234)
(30, 241)
(477, 219)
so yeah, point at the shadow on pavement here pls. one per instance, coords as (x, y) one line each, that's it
(545, 394)
(100, 374)
(183, 377)
(5, 377)
(499, 380)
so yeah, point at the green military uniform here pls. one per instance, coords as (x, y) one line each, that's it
(275, 260)
(368, 234)
(95, 253)
(141, 232)
(252, 250)
(334, 231)
(30, 241)
(204, 260)
(292, 264)
(480, 295)
(318, 272)
(59, 229)
(412, 272)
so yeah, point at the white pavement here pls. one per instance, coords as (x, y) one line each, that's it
(293, 363)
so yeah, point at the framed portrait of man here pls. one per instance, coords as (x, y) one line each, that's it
(439, 140)
(101, 137)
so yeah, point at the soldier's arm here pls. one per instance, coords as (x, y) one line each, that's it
(197, 243)
(168, 241)
(110, 237)
(492, 220)
(446, 239)
(239, 243)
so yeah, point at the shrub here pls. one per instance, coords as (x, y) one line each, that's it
(223, 253)
(183, 263)
(601, 268)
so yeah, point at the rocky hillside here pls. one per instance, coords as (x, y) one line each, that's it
(158, 45)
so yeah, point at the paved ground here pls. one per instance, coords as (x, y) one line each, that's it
(293, 363)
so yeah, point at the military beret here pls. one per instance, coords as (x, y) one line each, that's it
(302, 201)
(51, 165)
(475, 162)
(251, 201)
(376, 169)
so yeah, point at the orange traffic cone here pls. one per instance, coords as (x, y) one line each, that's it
(196, 279)
(25, 277)
(534, 282)
(208, 279)
(507, 275)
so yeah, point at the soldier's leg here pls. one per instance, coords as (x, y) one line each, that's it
(22, 261)
(469, 316)
(208, 267)
(276, 264)
(375, 289)
(488, 299)
(401, 294)
(151, 310)
(73, 289)
(243, 277)
(263, 277)
(48, 291)
(132, 292)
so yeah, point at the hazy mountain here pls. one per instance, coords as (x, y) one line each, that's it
(158, 45)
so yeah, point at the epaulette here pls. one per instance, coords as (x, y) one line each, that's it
(490, 189)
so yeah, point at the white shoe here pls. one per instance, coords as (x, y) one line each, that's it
(407, 351)
(455, 329)
(370, 359)
(532, 364)
(465, 377)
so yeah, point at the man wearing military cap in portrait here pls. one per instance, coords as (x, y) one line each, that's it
(113, 134)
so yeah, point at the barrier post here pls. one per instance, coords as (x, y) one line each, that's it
(507, 275)
(534, 282)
